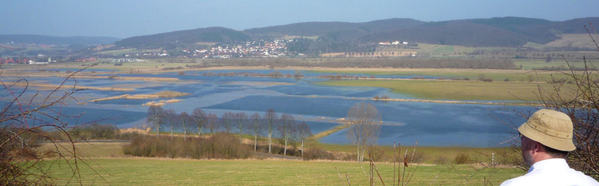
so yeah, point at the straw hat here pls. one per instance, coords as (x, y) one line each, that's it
(550, 128)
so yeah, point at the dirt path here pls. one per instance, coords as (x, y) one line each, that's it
(327, 132)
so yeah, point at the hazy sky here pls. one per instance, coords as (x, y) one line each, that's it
(126, 18)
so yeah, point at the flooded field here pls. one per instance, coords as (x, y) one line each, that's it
(432, 124)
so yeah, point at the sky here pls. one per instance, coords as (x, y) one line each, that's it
(128, 18)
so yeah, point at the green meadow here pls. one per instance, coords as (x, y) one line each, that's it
(529, 64)
(453, 90)
(496, 75)
(103, 163)
(133, 171)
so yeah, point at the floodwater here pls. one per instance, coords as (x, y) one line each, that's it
(431, 124)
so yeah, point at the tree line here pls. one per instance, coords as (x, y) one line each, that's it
(284, 127)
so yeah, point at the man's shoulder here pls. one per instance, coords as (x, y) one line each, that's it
(536, 178)
(522, 180)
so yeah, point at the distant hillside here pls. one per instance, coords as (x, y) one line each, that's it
(462, 33)
(338, 30)
(504, 32)
(183, 38)
(53, 40)
(347, 37)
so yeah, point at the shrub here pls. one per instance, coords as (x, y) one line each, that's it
(377, 153)
(462, 158)
(417, 157)
(129, 135)
(441, 160)
(95, 131)
(316, 153)
(181, 73)
(219, 146)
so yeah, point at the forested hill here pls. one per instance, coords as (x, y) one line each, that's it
(53, 40)
(329, 28)
(506, 31)
(184, 38)
(495, 32)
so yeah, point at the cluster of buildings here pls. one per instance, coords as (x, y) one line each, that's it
(12, 61)
(277, 48)
(398, 43)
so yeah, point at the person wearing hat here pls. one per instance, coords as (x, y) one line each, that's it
(546, 139)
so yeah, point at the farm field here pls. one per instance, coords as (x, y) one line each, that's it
(454, 90)
(99, 168)
(133, 171)
(529, 64)
(496, 75)
(427, 155)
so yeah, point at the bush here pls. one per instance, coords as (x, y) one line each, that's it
(316, 153)
(377, 153)
(95, 131)
(417, 157)
(129, 135)
(441, 160)
(462, 158)
(219, 146)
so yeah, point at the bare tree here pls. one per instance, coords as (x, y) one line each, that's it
(256, 128)
(199, 119)
(303, 132)
(155, 117)
(286, 129)
(25, 118)
(270, 117)
(212, 122)
(227, 121)
(170, 117)
(184, 121)
(364, 123)
(580, 101)
(240, 119)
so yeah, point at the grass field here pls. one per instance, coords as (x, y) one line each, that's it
(496, 75)
(443, 49)
(432, 155)
(118, 52)
(104, 163)
(132, 171)
(453, 90)
(529, 64)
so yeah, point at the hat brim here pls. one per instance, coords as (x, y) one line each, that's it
(562, 144)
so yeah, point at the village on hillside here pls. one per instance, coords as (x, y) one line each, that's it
(274, 48)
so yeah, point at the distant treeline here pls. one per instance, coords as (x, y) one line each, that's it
(565, 68)
(373, 63)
